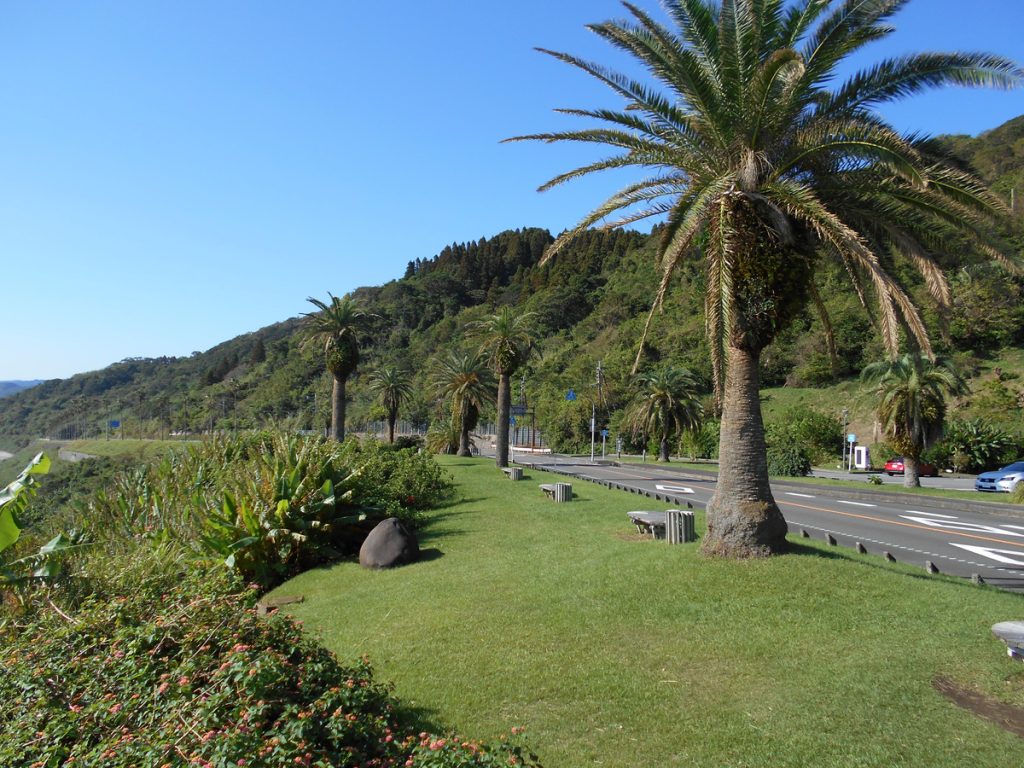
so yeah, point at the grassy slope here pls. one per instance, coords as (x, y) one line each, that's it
(129, 449)
(622, 652)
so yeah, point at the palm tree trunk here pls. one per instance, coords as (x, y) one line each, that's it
(391, 427)
(338, 409)
(504, 412)
(464, 449)
(743, 519)
(911, 472)
(663, 445)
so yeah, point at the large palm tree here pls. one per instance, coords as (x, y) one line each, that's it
(336, 328)
(665, 405)
(505, 337)
(465, 381)
(393, 386)
(764, 162)
(912, 392)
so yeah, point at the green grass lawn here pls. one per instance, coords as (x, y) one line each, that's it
(134, 448)
(617, 651)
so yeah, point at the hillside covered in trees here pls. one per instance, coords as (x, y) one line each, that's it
(590, 304)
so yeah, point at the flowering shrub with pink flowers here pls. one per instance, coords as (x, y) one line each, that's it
(160, 666)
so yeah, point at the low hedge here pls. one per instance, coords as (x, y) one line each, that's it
(176, 669)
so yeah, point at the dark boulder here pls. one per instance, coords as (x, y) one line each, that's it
(388, 545)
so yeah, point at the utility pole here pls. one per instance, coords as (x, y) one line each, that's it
(593, 410)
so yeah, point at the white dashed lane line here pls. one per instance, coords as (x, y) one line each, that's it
(855, 503)
(801, 495)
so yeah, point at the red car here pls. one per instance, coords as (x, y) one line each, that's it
(894, 466)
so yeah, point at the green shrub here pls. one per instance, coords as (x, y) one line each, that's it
(786, 459)
(270, 505)
(401, 482)
(403, 442)
(701, 443)
(973, 446)
(819, 435)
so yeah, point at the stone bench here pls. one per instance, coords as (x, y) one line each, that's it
(677, 525)
(557, 491)
(1011, 633)
(513, 473)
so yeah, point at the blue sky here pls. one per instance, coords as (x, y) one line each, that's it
(173, 174)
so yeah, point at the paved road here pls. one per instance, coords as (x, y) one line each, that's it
(946, 482)
(961, 538)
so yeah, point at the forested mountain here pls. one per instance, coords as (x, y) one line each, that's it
(590, 304)
(10, 387)
(998, 156)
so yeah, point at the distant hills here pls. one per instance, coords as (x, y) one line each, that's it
(10, 387)
(590, 304)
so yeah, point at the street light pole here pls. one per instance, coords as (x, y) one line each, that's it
(846, 420)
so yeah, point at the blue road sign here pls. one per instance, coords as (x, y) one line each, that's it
(570, 395)
(114, 423)
(512, 421)
(851, 438)
(518, 410)
(604, 433)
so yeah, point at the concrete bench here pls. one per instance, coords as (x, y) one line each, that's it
(1011, 633)
(557, 491)
(513, 473)
(677, 525)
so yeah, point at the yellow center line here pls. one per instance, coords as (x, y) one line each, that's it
(919, 527)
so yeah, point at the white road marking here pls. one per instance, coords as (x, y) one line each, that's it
(1015, 527)
(801, 495)
(956, 525)
(931, 514)
(856, 503)
(999, 555)
(674, 488)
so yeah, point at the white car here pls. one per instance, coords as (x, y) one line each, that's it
(1004, 479)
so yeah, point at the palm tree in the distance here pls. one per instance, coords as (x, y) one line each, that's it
(393, 386)
(765, 162)
(912, 392)
(463, 379)
(336, 327)
(505, 338)
(666, 404)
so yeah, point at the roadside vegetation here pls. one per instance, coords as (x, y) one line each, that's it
(132, 639)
